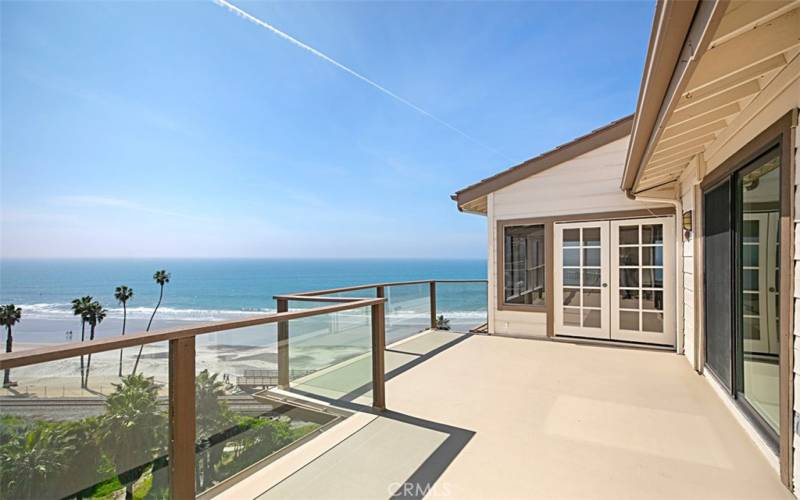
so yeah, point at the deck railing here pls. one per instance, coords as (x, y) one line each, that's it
(181, 374)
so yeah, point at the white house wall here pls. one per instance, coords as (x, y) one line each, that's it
(586, 184)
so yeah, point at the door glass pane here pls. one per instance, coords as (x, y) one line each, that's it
(653, 278)
(572, 237)
(572, 316)
(629, 299)
(591, 236)
(652, 299)
(572, 257)
(591, 298)
(629, 235)
(629, 278)
(652, 233)
(629, 256)
(572, 297)
(629, 320)
(591, 277)
(572, 277)
(591, 257)
(652, 322)
(759, 210)
(653, 256)
(591, 318)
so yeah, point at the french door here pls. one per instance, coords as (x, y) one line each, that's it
(616, 280)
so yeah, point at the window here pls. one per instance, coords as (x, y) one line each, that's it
(524, 280)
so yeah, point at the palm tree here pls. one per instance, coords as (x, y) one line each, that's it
(162, 278)
(31, 461)
(95, 314)
(133, 428)
(79, 308)
(123, 294)
(213, 417)
(9, 315)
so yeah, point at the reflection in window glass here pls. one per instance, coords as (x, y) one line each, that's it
(653, 256)
(629, 235)
(591, 318)
(629, 256)
(629, 299)
(652, 322)
(758, 273)
(652, 233)
(524, 265)
(629, 320)
(591, 257)
(572, 297)
(572, 317)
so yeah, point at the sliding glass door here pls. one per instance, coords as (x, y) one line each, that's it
(742, 279)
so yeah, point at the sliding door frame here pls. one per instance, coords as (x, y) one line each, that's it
(778, 134)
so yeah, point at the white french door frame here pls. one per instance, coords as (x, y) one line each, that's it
(572, 313)
(582, 307)
(647, 316)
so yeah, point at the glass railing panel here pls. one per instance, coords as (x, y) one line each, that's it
(239, 421)
(330, 354)
(463, 305)
(408, 310)
(74, 428)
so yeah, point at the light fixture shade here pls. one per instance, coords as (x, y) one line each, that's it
(687, 224)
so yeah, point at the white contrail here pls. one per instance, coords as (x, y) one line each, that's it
(236, 10)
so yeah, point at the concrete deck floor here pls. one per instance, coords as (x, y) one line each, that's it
(491, 417)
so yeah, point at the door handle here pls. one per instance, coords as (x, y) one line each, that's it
(605, 285)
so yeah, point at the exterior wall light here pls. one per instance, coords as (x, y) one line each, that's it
(687, 224)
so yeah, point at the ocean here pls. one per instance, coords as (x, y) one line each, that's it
(202, 290)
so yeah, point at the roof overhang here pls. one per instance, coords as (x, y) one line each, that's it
(472, 199)
(707, 61)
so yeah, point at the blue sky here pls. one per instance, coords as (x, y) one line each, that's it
(178, 129)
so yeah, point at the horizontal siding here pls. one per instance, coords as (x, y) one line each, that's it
(586, 184)
(796, 324)
(687, 203)
(525, 324)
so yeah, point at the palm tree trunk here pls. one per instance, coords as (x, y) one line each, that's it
(149, 324)
(124, 319)
(89, 358)
(83, 334)
(7, 375)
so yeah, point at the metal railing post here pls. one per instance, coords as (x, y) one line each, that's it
(182, 419)
(433, 305)
(283, 346)
(378, 365)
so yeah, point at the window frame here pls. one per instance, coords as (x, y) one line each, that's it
(547, 227)
(543, 267)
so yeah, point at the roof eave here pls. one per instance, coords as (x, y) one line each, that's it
(681, 33)
(609, 133)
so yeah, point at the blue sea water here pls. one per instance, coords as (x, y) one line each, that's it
(218, 289)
